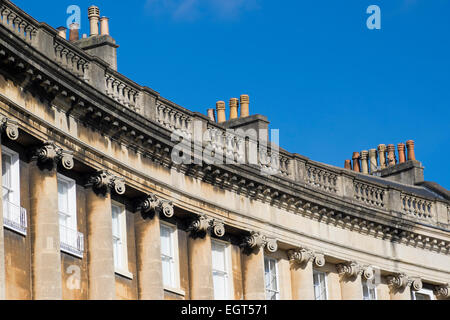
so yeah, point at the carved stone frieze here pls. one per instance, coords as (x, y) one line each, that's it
(105, 181)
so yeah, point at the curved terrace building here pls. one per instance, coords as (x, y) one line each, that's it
(111, 191)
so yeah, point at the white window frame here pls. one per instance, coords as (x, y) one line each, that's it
(122, 267)
(325, 275)
(15, 190)
(277, 278)
(423, 291)
(175, 258)
(71, 228)
(370, 284)
(228, 267)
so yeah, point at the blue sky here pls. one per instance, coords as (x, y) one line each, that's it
(312, 67)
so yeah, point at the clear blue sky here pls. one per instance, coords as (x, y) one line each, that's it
(312, 67)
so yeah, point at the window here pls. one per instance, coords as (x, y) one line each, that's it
(220, 270)
(15, 218)
(369, 290)
(320, 285)
(71, 240)
(169, 256)
(271, 279)
(424, 294)
(119, 231)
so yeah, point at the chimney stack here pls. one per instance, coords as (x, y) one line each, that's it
(212, 115)
(365, 161)
(382, 155)
(348, 164)
(94, 16)
(220, 106)
(62, 32)
(411, 152)
(104, 26)
(245, 102)
(234, 105)
(373, 160)
(355, 158)
(74, 33)
(391, 155)
(401, 153)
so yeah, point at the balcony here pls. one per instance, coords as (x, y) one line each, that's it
(71, 241)
(14, 217)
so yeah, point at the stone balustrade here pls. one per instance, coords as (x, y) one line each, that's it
(18, 23)
(70, 59)
(174, 119)
(321, 178)
(370, 194)
(123, 92)
(416, 207)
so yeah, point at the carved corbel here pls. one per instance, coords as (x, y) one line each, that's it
(204, 224)
(319, 260)
(10, 127)
(256, 241)
(349, 269)
(50, 154)
(152, 204)
(401, 280)
(105, 181)
(442, 292)
(301, 256)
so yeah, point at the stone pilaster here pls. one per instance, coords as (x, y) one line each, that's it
(101, 270)
(302, 274)
(401, 286)
(350, 277)
(148, 246)
(253, 264)
(46, 256)
(12, 132)
(200, 256)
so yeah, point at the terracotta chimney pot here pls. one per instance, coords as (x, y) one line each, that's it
(348, 164)
(391, 155)
(104, 26)
(212, 115)
(373, 160)
(356, 157)
(74, 32)
(401, 153)
(365, 161)
(411, 153)
(62, 32)
(234, 105)
(220, 106)
(94, 16)
(382, 155)
(245, 103)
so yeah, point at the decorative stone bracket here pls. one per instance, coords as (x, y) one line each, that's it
(442, 292)
(304, 255)
(10, 127)
(401, 280)
(105, 180)
(353, 269)
(152, 204)
(50, 155)
(256, 241)
(203, 224)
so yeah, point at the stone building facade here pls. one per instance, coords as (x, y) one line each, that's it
(95, 207)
